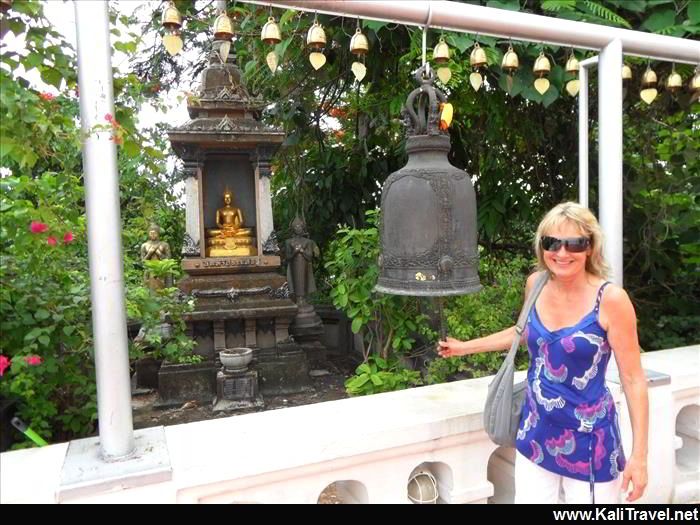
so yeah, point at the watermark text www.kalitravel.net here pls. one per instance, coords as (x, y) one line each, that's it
(627, 514)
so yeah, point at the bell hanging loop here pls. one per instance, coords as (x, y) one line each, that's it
(270, 33)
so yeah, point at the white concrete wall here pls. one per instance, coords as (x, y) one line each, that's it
(372, 445)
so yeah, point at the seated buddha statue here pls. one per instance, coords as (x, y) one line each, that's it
(230, 238)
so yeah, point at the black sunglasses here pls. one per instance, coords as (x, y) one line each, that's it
(571, 244)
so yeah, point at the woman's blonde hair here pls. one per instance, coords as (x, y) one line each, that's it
(580, 216)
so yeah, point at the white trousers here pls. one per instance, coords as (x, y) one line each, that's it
(533, 484)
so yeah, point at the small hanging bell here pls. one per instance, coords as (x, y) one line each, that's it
(441, 53)
(674, 82)
(270, 33)
(477, 58)
(316, 36)
(626, 73)
(223, 28)
(510, 61)
(694, 84)
(171, 19)
(358, 43)
(171, 22)
(649, 91)
(572, 65)
(542, 68)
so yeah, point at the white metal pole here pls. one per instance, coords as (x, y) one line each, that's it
(104, 231)
(583, 137)
(610, 154)
(458, 16)
(583, 130)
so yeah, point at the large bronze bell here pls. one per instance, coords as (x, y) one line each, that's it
(358, 43)
(316, 37)
(223, 27)
(428, 227)
(270, 33)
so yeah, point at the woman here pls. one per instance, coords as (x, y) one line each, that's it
(569, 434)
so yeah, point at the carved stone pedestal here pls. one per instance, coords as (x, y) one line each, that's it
(237, 390)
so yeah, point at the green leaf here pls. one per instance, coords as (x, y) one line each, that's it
(52, 76)
(44, 340)
(694, 12)
(131, 148)
(41, 314)
(374, 25)
(511, 5)
(356, 325)
(661, 20)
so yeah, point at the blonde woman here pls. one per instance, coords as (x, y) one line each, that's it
(569, 436)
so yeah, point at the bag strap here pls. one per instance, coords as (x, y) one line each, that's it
(525, 312)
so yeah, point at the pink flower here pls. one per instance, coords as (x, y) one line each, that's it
(46, 96)
(5, 363)
(33, 360)
(51, 240)
(38, 227)
(68, 237)
(109, 117)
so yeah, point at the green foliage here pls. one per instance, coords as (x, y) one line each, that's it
(390, 322)
(44, 300)
(163, 330)
(381, 375)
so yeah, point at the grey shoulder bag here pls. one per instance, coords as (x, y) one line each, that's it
(504, 401)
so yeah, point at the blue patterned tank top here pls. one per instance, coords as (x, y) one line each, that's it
(569, 423)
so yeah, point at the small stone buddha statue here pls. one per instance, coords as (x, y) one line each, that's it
(230, 238)
(155, 250)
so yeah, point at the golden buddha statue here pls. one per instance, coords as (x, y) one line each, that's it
(230, 238)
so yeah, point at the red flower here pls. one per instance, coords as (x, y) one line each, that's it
(51, 240)
(46, 96)
(68, 237)
(33, 360)
(38, 227)
(5, 363)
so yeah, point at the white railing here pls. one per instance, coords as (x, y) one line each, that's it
(367, 449)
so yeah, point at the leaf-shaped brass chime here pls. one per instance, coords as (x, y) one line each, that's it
(316, 41)
(542, 68)
(510, 65)
(359, 46)
(271, 35)
(477, 59)
(649, 91)
(441, 55)
(572, 67)
(172, 22)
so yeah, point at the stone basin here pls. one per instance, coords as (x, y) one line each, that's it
(236, 359)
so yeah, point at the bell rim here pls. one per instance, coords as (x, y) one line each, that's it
(467, 289)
